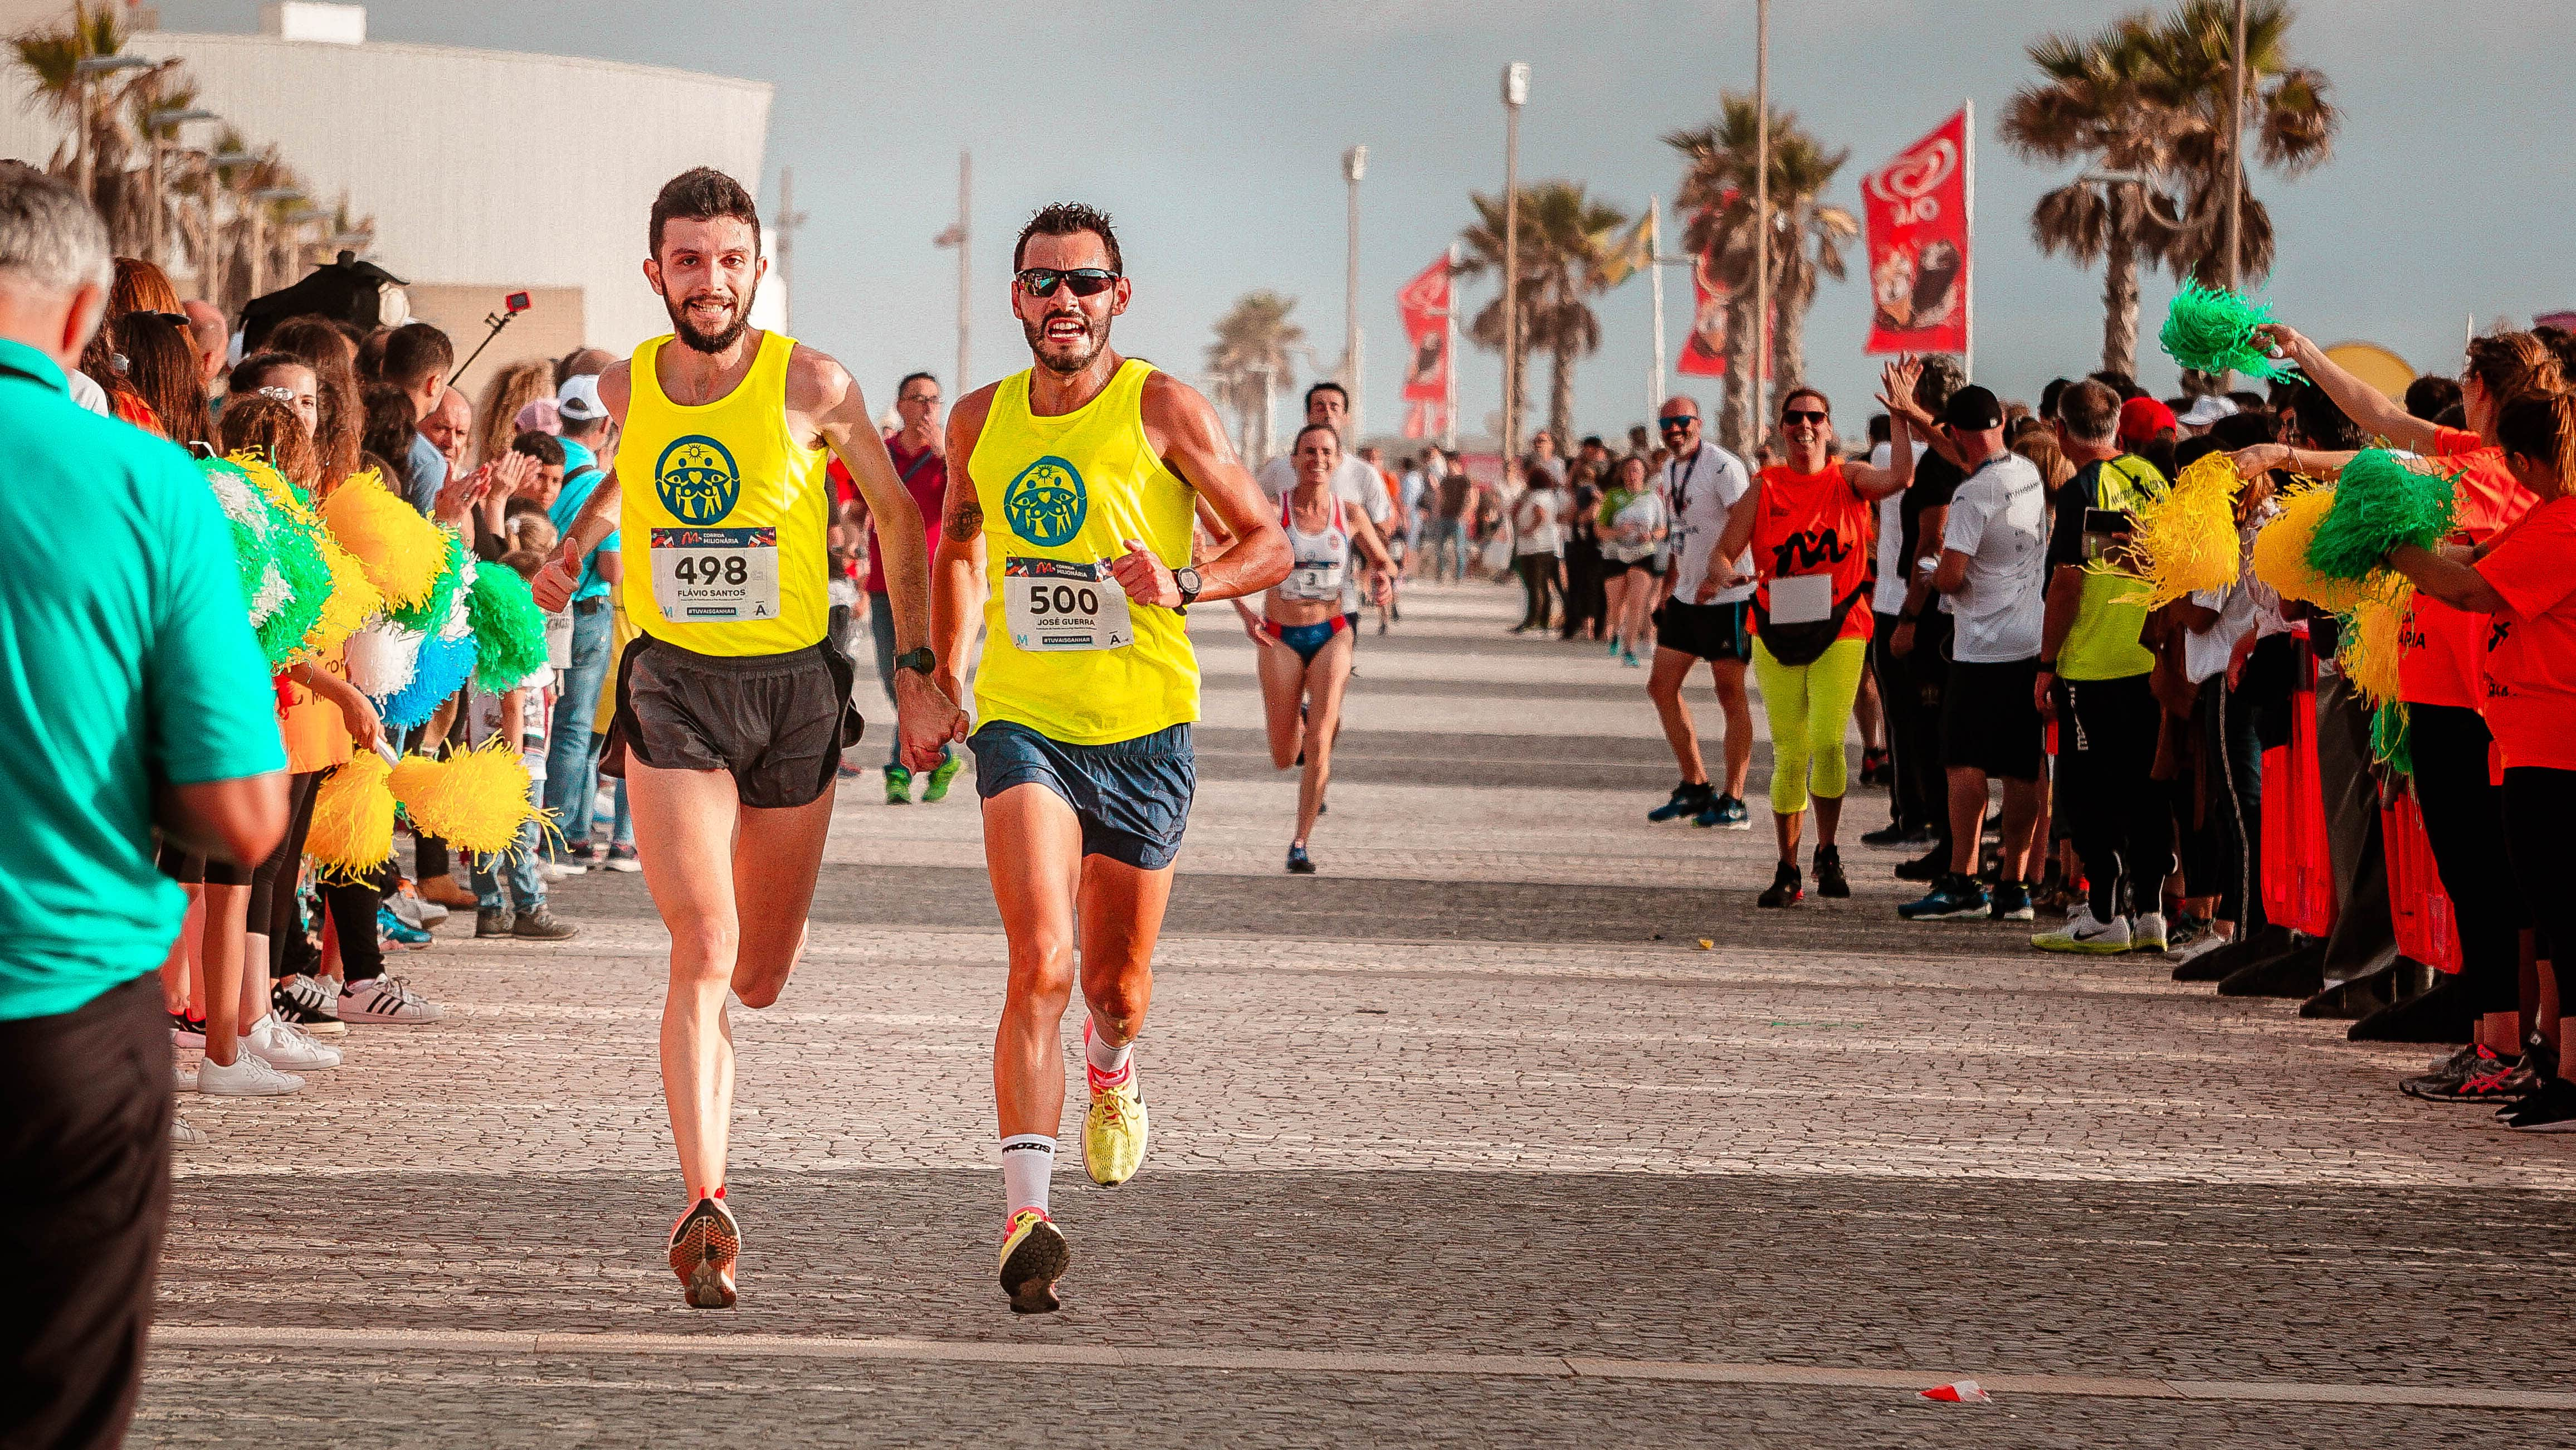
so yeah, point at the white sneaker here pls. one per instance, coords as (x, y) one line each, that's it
(2148, 933)
(414, 911)
(287, 1046)
(2201, 945)
(249, 1076)
(183, 1079)
(308, 1004)
(2082, 933)
(184, 1134)
(386, 999)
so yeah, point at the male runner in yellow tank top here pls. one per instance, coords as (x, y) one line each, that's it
(1071, 494)
(731, 708)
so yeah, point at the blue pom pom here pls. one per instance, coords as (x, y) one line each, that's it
(445, 665)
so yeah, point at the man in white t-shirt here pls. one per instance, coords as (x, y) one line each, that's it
(1992, 577)
(1705, 619)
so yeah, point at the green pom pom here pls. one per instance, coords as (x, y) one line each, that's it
(2212, 329)
(431, 613)
(2379, 504)
(2390, 740)
(509, 629)
(247, 510)
(297, 558)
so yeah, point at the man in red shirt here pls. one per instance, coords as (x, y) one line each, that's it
(919, 462)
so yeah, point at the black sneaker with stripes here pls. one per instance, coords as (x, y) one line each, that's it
(308, 1005)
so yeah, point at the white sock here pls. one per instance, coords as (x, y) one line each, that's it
(1028, 1161)
(1108, 1064)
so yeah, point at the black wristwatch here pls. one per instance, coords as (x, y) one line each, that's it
(1187, 580)
(918, 658)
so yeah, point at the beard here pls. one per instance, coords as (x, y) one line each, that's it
(1066, 357)
(722, 338)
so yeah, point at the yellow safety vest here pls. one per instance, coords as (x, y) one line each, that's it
(724, 515)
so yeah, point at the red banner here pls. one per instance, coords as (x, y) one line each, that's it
(1704, 350)
(1917, 209)
(1424, 303)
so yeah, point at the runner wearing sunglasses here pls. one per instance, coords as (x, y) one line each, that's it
(1703, 485)
(1071, 494)
(732, 711)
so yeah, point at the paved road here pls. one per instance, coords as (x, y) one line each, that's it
(1467, 1140)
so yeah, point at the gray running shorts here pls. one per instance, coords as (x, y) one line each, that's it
(1132, 796)
(776, 723)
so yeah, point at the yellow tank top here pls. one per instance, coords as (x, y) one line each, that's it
(1060, 496)
(723, 515)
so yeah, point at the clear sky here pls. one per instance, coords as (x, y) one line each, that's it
(1212, 131)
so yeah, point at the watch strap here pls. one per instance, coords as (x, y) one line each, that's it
(918, 659)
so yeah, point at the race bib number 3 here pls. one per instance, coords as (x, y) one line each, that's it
(715, 576)
(1056, 604)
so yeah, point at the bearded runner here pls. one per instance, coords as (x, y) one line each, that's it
(1070, 500)
(731, 710)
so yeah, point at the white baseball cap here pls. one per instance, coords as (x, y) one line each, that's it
(578, 399)
(2207, 409)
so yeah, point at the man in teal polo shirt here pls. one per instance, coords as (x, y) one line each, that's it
(132, 695)
(572, 762)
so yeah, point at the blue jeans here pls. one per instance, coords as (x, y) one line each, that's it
(1449, 534)
(572, 764)
(881, 624)
(527, 884)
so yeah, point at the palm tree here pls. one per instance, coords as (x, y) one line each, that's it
(1567, 240)
(2286, 107)
(1250, 363)
(1807, 237)
(104, 109)
(2098, 103)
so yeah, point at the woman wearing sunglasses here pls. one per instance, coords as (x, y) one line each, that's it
(1809, 528)
(1305, 637)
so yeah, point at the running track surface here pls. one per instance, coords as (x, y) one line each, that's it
(1467, 1140)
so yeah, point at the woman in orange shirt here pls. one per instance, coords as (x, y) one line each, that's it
(1809, 521)
(2524, 579)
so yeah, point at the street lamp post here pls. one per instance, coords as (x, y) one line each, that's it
(84, 165)
(2235, 168)
(1516, 77)
(1761, 218)
(261, 201)
(957, 236)
(1354, 166)
(157, 124)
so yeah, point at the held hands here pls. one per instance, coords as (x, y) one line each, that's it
(1146, 578)
(926, 717)
(1896, 387)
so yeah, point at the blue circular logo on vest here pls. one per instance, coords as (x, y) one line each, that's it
(1046, 503)
(696, 480)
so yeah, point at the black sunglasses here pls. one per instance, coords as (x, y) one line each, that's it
(1801, 415)
(1081, 281)
(1681, 420)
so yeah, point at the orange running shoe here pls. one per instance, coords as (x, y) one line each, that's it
(704, 1244)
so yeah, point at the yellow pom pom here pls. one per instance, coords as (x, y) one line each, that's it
(475, 800)
(353, 598)
(2187, 540)
(402, 552)
(353, 818)
(2281, 554)
(2367, 648)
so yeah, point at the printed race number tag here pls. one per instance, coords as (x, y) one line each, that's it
(715, 576)
(1802, 598)
(1056, 604)
(1312, 581)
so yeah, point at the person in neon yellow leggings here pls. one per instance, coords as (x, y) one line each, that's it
(1810, 529)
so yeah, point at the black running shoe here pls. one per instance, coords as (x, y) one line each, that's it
(2466, 1076)
(1787, 888)
(2011, 902)
(1932, 865)
(1299, 863)
(1034, 1256)
(1688, 800)
(2550, 1110)
(1887, 836)
(1829, 873)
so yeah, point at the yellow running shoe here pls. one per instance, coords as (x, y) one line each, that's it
(1113, 1133)
(1034, 1256)
(704, 1244)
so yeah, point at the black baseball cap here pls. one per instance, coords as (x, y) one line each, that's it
(1972, 409)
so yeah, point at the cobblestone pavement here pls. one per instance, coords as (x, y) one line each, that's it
(1467, 1140)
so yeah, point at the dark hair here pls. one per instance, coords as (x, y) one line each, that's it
(1942, 376)
(702, 194)
(2244, 430)
(911, 378)
(2192, 450)
(2118, 382)
(546, 448)
(2049, 395)
(2454, 416)
(1881, 428)
(2090, 410)
(275, 432)
(1803, 391)
(1328, 386)
(527, 561)
(1064, 219)
(388, 433)
(2321, 423)
(1300, 440)
(161, 368)
(2428, 395)
(520, 504)
(414, 351)
(2247, 400)
(251, 373)
(2542, 425)
(2561, 343)
(2510, 364)
(340, 420)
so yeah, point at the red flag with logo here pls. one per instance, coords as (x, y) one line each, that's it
(1917, 210)
(1704, 350)
(1424, 303)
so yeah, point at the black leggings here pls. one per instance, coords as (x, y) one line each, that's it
(272, 912)
(1538, 588)
(2538, 803)
(2464, 823)
(2106, 756)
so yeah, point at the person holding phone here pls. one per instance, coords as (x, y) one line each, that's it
(2093, 667)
